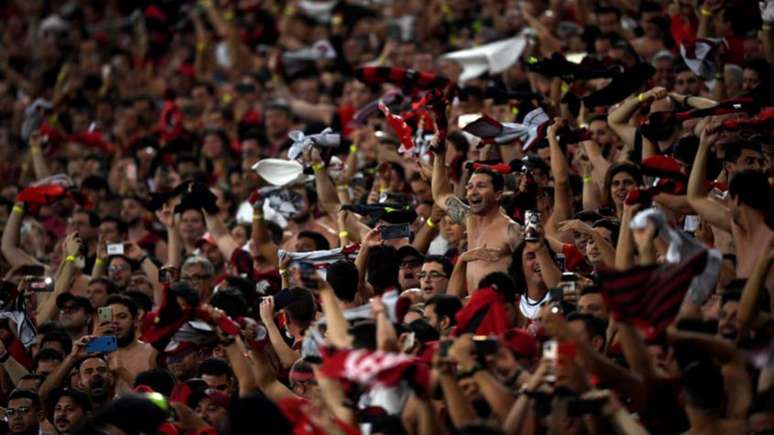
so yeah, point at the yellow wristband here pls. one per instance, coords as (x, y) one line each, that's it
(70, 258)
(343, 234)
(430, 223)
(283, 271)
(383, 189)
(100, 262)
(201, 46)
(587, 179)
(705, 12)
(641, 97)
(317, 167)
(342, 188)
(257, 216)
(353, 149)
(35, 151)
(289, 11)
(17, 209)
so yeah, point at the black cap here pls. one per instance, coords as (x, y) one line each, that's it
(81, 301)
(409, 251)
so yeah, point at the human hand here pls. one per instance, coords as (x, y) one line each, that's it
(463, 351)
(377, 306)
(133, 251)
(575, 225)
(554, 127)
(187, 419)
(656, 93)
(79, 346)
(104, 328)
(611, 403)
(72, 244)
(166, 216)
(644, 237)
(267, 310)
(481, 254)
(372, 238)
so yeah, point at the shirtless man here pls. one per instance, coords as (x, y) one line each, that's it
(489, 228)
(742, 215)
(134, 355)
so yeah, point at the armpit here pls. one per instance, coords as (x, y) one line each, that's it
(514, 235)
(456, 209)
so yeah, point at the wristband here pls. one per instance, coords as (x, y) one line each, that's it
(705, 12)
(641, 97)
(201, 46)
(17, 209)
(353, 149)
(587, 179)
(99, 262)
(283, 272)
(383, 189)
(430, 223)
(257, 216)
(289, 11)
(342, 188)
(34, 151)
(343, 234)
(317, 167)
(70, 258)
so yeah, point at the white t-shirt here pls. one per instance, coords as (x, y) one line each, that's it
(530, 307)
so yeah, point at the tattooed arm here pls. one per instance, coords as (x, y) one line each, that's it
(515, 235)
(456, 209)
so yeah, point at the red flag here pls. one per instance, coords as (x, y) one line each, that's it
(374, 368)
(484, 314)
(650, 296)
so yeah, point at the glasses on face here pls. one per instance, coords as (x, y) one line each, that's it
(196, 278)
(70, 308)
(20, 411)
(410, 264)
(685, 82)
(119, 268)
(302, 386)
(432, 274)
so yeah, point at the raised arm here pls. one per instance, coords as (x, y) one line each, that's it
(55, 379)
(386, 338)
(338, 327)
(619, 119)
(326, 190)
(47, 310)
(174, 244)
(624, 253)
(15, 255)
(220, 233)
(712, 211)
(286, 355)
(560, 170)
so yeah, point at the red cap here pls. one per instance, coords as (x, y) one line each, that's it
(520, 342)
(206, 238)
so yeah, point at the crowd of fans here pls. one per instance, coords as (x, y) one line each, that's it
(387, 217)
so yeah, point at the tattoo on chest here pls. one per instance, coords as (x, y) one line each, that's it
(456, 209)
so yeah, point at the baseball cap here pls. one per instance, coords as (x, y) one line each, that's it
(81, 301)
(206, 238)
(520, 342)
(406, 251)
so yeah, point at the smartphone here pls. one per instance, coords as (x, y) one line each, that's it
(485, 345)
(561, 262)
(691, 223)
(105, 314)
(443, 348)
(551, 350)
(531, 224)
(40, 284)
(104, 344)
(115, 249)
(395, 231)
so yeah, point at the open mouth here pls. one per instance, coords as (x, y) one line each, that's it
(475, 201)
(428, 290)
(621, 195)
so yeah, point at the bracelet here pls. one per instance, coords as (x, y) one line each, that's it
(430, 223)
(257, 216)
(343, 234)
(100, 262)
(201, 46)
(70, 258)
(641, 97)
(353, 149)
(317, 167)
(17, 209)
(587, 179)
(35, 151)
(289, 11)
(705, 12)
(342, 188)
(383, 189)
